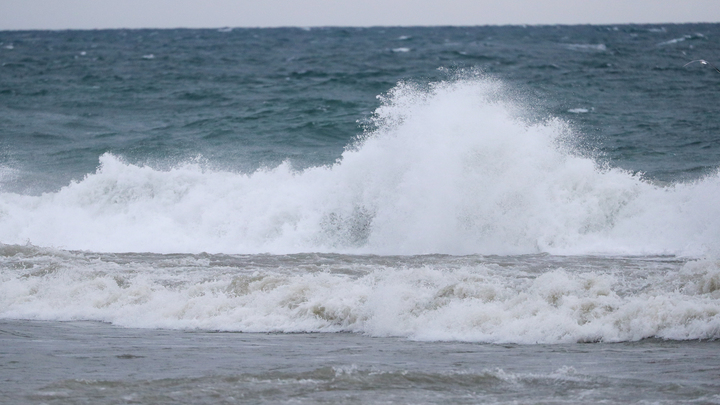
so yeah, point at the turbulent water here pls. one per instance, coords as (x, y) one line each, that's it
(453, 186)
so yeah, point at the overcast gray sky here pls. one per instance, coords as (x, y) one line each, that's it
(88, 14)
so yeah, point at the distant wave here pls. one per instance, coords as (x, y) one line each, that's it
(587, 47)
(448, 168)
(681, 39)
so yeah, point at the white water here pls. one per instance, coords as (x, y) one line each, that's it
(473, 299)
(449, 169)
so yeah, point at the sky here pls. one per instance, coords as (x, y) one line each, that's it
(92, 14)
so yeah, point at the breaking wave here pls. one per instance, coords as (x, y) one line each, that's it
(447, 168)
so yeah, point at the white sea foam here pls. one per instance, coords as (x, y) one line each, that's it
(587, 47)
(450, 168)
(7, 175)
(674, 41)
(681, 39)
(480, 302)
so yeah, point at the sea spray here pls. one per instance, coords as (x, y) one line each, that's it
(451, 167)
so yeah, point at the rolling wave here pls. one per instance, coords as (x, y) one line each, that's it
(447, 168)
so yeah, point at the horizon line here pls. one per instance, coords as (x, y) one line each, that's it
(353, 26)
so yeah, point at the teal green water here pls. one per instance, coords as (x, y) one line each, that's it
(255, 97)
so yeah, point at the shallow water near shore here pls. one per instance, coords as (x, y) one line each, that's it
(91, 362)
(356, 329)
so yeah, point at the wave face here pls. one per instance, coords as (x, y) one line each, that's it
(520, 299)
(447, 168)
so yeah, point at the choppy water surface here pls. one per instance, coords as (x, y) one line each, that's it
(344, 328)
(401, 215)
(253, 97)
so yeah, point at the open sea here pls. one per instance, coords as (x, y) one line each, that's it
(400, 215)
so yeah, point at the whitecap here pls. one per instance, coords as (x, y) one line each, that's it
(587, 47)
(681, 39)
(675, 40)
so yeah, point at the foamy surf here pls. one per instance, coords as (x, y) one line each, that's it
(447, 168)
(528, 300)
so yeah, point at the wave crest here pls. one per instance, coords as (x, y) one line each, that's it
(449, 168)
